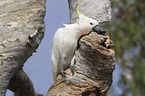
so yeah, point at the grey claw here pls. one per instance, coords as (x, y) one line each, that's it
(63, 73)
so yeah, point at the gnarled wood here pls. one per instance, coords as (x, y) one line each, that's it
(95, 62)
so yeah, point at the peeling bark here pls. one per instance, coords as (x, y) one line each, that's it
(95, 62)
(21, 31)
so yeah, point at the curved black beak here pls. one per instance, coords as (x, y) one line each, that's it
(98, 30)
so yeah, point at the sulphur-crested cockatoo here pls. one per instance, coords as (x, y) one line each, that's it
(65, 40)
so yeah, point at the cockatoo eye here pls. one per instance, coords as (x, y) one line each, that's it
(91, 23)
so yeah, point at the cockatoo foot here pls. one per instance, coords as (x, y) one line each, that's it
(63, 73)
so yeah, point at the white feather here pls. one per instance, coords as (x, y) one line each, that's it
(65, 40)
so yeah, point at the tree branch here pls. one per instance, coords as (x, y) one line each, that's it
(95, 62)
(21, 85)
(21, 30)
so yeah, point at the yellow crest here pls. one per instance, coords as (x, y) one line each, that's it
(78, 11)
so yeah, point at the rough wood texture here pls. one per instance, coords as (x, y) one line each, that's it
(21, 31)
(95, 62)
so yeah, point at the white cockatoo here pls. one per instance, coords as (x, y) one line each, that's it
(64, 43)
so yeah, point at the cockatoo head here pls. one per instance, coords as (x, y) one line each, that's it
(86, 23)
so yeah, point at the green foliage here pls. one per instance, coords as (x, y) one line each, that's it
(127, 30)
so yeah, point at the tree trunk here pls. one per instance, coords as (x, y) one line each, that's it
(97, 9)
(94, 59)
(21, 30)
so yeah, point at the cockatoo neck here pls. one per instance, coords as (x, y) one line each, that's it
(81, 30)
(84, 29)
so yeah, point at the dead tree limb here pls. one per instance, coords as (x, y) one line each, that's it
(21, 31)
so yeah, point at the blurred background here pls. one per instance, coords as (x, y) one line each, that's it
(126, 29)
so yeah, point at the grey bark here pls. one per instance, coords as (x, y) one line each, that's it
(97, 9)
(21, 31)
